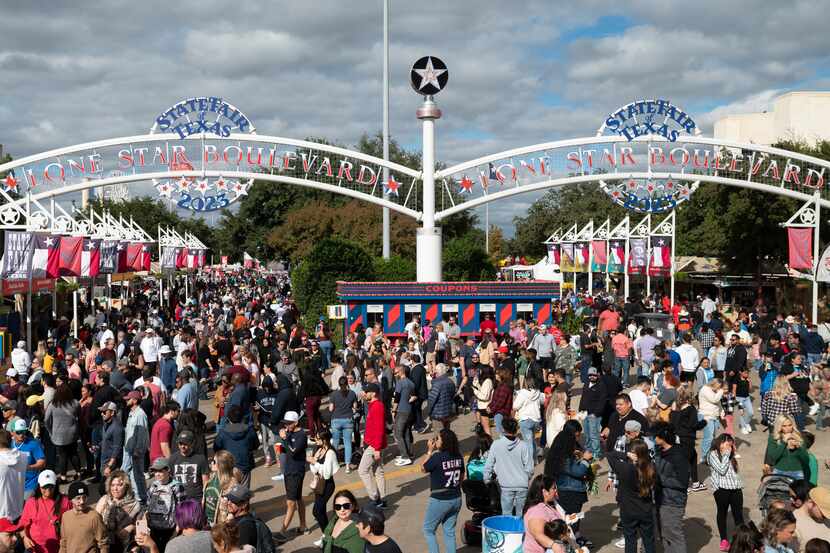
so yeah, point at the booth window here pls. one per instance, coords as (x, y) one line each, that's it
(524, 311)
(374, 314)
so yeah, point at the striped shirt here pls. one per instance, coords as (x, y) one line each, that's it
(723, 474)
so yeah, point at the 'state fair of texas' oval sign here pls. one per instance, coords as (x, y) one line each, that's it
(664, 120)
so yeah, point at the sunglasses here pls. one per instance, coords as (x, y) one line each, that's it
(342, 506)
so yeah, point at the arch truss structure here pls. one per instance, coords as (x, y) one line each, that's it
(205, 172)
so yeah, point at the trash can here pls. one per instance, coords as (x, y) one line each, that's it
(502, 534)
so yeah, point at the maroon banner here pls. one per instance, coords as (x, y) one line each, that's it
(801, 247)
(11, 287)
(181, 258)
(71, 251)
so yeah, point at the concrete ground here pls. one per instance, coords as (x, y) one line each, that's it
(408, 492)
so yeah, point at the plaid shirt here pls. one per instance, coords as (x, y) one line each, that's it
(502, 401)
(723, 473)
(707, 339)
(772, 407)
(621, 445)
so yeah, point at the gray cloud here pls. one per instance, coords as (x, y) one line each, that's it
(75, 72)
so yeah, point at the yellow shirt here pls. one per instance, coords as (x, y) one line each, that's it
(48, 361)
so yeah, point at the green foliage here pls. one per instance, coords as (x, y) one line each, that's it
(394, 269)
(314, 281)
(465, 259)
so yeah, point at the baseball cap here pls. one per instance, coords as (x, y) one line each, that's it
(21, 344)
(77, 488)
(7, 527)
(239, 493)
(11, 373)
(20, 426)
(47, 478)
(633, 426)
(592, 370)
(503, 349)
(10, 405)
(160, 464)
(135, 394)
(108, 406)
(291, 416)
(165, 349)
(186, 437)
(821, 497)
(371, 387)
(33, 399)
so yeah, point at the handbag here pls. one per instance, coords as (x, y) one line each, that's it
(317, 484)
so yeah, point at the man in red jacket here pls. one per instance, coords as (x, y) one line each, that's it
(374, 439)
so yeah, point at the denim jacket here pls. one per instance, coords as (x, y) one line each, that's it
(571, 478)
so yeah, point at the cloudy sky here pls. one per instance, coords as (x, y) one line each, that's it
(520, 72)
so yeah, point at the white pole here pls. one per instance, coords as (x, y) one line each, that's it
(428, 240)
(590, 268)
(75, 313)
(487, 228)
(817, 224)
(648, 261)
(29, 292)
(607, 262)
(387, 237)
(625, 263)
(109, 296)
(673, 236)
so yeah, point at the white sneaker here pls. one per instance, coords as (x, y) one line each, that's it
(620, 543)
(403, 462)
(318, 543)
(814, 409)
(743, 430)
(397, 458)
(278, 477)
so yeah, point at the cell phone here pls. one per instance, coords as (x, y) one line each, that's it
(141, 526)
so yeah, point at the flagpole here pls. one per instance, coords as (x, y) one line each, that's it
(75, 313)
(625, 261)
(673, 236)
(591, 261)
(55, 286)
(817, 226)
(29, 293)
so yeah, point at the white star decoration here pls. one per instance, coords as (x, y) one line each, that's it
(49, 241)
(202, 186)
(429, 75)
(183, 184)
(240, 188)
(221, 184)
(164, 189)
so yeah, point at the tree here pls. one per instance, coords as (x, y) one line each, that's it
(395, 269)
(314, 281)
(465, 259)
(498, 245)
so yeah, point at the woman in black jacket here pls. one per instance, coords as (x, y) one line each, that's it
(637, 476)
(686, 425)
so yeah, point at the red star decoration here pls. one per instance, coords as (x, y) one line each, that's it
(632, 185)
(670, 185)
(466, 184)
(392, 186)
(615, 194)
(650, 187)
(11, 182)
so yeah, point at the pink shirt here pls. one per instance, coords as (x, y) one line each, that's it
(546, 513)
(621, 343)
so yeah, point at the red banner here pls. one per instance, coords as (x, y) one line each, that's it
(71, 251)
(11, 287)
(801, 247)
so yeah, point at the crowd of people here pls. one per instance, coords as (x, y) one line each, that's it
(113, 415)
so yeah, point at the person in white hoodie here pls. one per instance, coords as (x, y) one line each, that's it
(13, 465)
(510, 461)
(526, 403)
(709, 407)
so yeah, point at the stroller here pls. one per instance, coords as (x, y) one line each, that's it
(774, 487)
(484, 501)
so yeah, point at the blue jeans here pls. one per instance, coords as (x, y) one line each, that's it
(342, 427)
(513, 498)
(498, 418)
(134, 466)
(528, 429)
(813, 358)
(621, 368)
(709, 432)
(326, 347)
(745, 403)
(592, 430)
(441, 511)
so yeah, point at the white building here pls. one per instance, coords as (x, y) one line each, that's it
(794, 116)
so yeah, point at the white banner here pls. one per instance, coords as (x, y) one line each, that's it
(823, 269)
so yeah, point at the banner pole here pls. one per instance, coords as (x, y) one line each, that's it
(29, 292)
(75, 313)
(591, 262)
(625, 262)
(673, 237)
(817, 226)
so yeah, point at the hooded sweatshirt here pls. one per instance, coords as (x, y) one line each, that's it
(13, 465)
(526, 403)
(511, 460)
(241, 440)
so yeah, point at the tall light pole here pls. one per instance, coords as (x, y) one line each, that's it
(386, 213)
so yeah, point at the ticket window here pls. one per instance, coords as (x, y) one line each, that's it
(410, 311)
(374, 314)
(486, 311)
(524, 311)
(449, 310)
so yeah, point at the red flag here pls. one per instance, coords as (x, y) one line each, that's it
(600, 252)
(46, 256)
(181, 258)
(660, 263)
(248, 261)
(71, 250)
(145, 258)
(129, 258)
(91, 258)
(801, 247)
